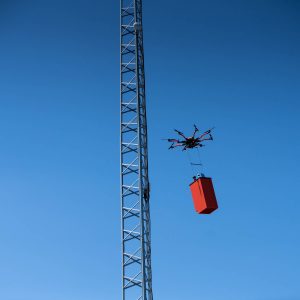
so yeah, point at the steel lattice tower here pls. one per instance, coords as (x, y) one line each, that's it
(136, 242)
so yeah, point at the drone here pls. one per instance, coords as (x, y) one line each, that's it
(192, 141)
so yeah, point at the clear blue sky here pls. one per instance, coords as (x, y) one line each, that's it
(230, 64)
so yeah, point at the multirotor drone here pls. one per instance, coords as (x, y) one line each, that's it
(192, 141)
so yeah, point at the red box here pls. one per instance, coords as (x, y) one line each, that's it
(203, 194)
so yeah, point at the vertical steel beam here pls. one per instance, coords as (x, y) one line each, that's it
(135, 188)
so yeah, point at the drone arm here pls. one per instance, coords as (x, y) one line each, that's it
(180, 133)
(210, 138)
(175, 145)
(173, 140)
(195, 131)
(205, 133)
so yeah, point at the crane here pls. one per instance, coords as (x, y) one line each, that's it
(135, 188)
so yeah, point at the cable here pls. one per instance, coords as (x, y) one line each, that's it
(190, 161)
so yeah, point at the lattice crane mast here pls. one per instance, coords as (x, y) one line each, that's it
(135, 213)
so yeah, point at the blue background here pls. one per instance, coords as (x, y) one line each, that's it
(230, 64)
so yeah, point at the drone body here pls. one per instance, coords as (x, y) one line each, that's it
(192, 141)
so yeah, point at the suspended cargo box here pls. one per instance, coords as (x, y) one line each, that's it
(203, 194)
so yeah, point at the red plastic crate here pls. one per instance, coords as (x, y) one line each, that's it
(203, 194)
